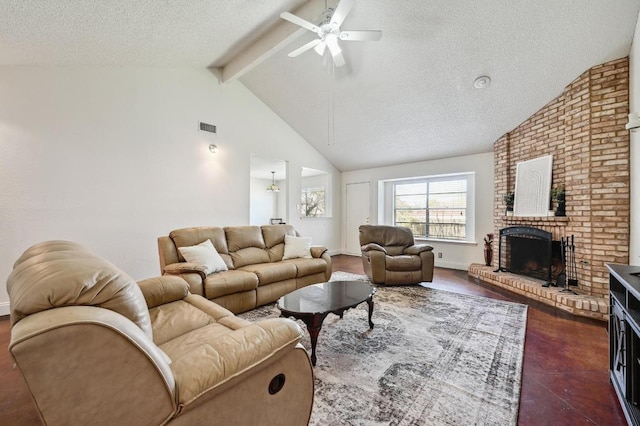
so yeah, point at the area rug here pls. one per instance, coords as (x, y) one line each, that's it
(433, 358)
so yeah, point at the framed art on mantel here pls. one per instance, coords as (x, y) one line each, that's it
(533, 186)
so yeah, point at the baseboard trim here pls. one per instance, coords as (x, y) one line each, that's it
(343, 252)
(4, 309)
(334, 252)
(451, 265)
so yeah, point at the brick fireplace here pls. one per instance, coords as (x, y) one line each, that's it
(583, 129)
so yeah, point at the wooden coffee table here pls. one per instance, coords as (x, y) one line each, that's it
(313, 303)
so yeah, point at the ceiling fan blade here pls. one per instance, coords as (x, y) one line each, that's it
(361, 35)
(320, 48)
(302, 49)
(299, 21)
(341, 12)
(336, 52)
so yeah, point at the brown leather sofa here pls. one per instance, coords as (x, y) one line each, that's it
(390, 255)
(256, 273)
(95, 347)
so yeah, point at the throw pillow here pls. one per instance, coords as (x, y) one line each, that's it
(204, 254)
(296, 247)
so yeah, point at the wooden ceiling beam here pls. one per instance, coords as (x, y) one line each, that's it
(272, 42)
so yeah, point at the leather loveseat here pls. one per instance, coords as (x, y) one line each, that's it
(95, 347)
(253, 256)
(390, 255)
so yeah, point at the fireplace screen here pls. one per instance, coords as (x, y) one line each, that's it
(528, 251)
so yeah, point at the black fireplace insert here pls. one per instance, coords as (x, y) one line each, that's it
(529, 251)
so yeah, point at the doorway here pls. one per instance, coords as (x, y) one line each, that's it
(358, 212)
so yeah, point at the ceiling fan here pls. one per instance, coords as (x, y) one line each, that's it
(329, 32)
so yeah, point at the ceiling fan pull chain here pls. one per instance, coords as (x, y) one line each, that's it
(330, 104)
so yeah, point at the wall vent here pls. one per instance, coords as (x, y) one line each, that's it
(207, 127)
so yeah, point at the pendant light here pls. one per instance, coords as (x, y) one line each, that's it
(273, 187)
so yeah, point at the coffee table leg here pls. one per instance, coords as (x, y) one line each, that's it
(370, 303)
(314, 325)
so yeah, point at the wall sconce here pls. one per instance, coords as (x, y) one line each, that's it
(273, 187)
(206, 127)
(634, 121)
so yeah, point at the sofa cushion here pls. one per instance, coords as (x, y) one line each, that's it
(240, 237)
(205, 358)
(249, 256)
(386, 235)
(394, 250)
(274, 234)
(228, 282)
(268, 273)
(195, 235)
(403, 263)
(274, 239)
(295, 247)
(306, 267)
(246, 245)
(61, 273)
(166, 327)
(204, 254)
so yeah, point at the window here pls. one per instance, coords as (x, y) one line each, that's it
(315, 194)
(437, 207)
(313, 201)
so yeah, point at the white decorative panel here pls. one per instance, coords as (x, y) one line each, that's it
(533, 187)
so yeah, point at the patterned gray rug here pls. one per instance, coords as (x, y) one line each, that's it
(433, 358)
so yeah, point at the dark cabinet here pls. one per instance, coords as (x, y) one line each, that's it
(624, 338)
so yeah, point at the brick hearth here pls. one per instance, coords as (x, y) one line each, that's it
(584, 130)
(582, 305)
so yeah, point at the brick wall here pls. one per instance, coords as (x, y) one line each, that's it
(583, 129)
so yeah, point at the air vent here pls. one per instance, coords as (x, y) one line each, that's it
(207, 127)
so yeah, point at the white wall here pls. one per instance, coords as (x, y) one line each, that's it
(634, 100)
(454, 255)
(113, 158)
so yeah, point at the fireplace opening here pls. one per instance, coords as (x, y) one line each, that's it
(531, 252)
(530, 257)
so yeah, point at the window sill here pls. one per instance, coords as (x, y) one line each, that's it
(436, 240)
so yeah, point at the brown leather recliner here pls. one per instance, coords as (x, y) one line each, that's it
(95, 347)
(390, 256)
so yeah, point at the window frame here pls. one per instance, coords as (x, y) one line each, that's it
(388, 211)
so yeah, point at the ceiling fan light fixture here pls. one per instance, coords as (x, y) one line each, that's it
(329, 32)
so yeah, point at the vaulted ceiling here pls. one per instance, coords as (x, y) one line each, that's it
(408, 97)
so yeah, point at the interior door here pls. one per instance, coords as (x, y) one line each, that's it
(358, 211)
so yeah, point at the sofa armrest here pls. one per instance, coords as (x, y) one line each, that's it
(165, 289)
(417, 249)
(186, 267)
(227, 356)
(373, 246)
(317, 251)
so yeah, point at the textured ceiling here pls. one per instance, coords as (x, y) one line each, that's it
(407, 97)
